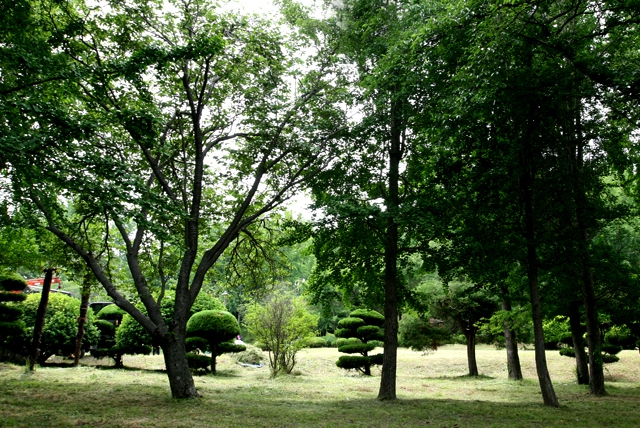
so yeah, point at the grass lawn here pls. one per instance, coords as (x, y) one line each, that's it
(432, 392)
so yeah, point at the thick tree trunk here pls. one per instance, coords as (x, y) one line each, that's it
(582, 367)
(471, 350)
(388, 378)
(40, 315)
(596, 368)
(175, 359)
(82, 320)
(513, 359)
(546, 387)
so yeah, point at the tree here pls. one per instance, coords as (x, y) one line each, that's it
(281, 324)
(185, 129)
(467, 305)
(367, 190)
(218, 329)
(360, 333)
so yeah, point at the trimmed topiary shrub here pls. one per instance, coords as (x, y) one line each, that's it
(198, 362)
(611, 349)
(217, 329)
(359, 333)
(568, 352)
(12, 327)
(112, 313)
(608, 358)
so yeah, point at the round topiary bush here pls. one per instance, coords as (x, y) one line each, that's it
(12, 282)
(356, 348)
(111, 312)
(369, 316)
(347, 341)
(217, 328)
(351, 323)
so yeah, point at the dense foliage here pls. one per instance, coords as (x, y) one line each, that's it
(60, 327)
(282, 324)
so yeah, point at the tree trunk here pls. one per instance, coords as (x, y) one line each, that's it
(389, 364)
(596, 368)
(471, 350)
(214, 352)
(582, 367)
(513, 359)
(546, 387)
(40, 315)
(82, 319)
(175, 359)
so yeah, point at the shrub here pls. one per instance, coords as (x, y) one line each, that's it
(620, 335)
(608, 359)
(568, 352)
(198, 362)
(316, 342)
(131, 336)
(352, 362)
(106, 328)
(347, 341)
(111, 312)
(350, 323)
(12, 282)
(359, 333)
(12, 327)
(60, 327)
(215, 328)
(330, 339)
(611, 349)
(356, 348)
(282, 324)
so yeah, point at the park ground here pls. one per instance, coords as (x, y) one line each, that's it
(433, 391)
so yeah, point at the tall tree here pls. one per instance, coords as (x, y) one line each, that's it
(188, 130)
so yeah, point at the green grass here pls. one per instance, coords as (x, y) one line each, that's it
(433, 391)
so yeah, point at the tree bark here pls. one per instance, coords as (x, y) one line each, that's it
(214, 353)
(471, 350)
(178, 372)
(40, 316)
(582, 367)
(388, 378)
(546, 387)
(596, 368)
(513, 359)
(82, 319)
